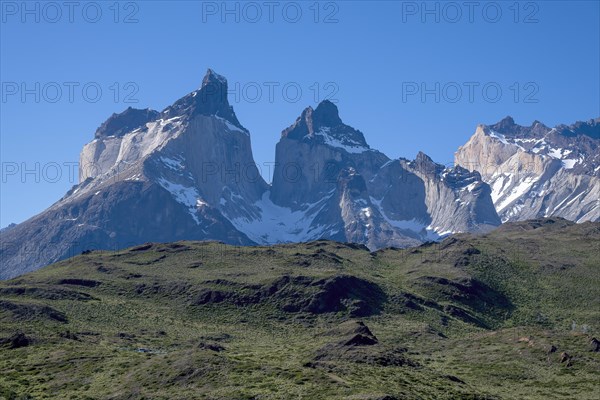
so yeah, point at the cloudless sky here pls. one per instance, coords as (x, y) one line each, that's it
(373, 58)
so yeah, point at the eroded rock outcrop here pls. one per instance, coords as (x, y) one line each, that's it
(537, 171)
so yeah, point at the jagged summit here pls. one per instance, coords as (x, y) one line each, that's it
(537, 129)
(311, 121)
(536, 171)
(505, 123)
(507, 126)
(126, 121)
(302, 127)
(423, 158)
(210, 99)
(589, 128)
(323, 125)
(326, 115)
(425, 164)
(212, 78)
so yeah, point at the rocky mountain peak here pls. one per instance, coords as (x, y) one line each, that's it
(210, 99)
(535, 171)
(505, 123)
(124, 122)
(323, 125)
(211, 78)
(538, 129)
(326, 115)
(589, 128)
(508, 127)
(423, 163)
(301, 127)
(423, 158)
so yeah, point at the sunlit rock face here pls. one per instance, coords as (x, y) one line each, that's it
(537, 171)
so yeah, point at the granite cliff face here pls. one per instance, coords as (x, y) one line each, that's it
(149, 176)
(188, 172)
(365, 196)
(537, 171)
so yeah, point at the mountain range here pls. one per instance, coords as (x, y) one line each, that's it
(188, 173)
(536, 171)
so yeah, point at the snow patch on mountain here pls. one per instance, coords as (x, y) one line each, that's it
(426, 232)
(506, 198)
(278, 224)
(176, 164)
(499, 136)
(231, 127)
(186, 195)
(570, 163)
(348, 145)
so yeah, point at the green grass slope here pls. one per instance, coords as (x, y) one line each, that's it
(508, 315)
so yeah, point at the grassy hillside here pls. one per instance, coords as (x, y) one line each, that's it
(508, 315)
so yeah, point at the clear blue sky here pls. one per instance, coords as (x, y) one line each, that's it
(375, 53)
